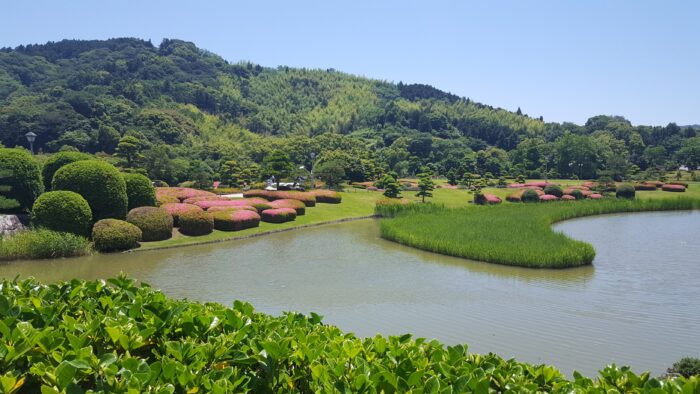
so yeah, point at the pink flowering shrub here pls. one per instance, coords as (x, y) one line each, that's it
(568, 197)
(548, 197)
(297, 205)
(182, 193)
(673, 188)
(327, 196)
(307, 198)
(590, 184)
(177, 209)
(162, 199)
(236, 220)
(278, 215)
(231, 209)
(222, 203)
(196, 223)
(595, 196)
(515, 185)
(193, 200)
(540, 184)
(492, 198)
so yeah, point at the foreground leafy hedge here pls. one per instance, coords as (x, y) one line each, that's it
(117, 337)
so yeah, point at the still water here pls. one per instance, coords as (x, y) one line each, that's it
(639, 304)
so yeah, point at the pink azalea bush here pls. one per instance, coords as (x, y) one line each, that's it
(595, 196)
(231, 209)
(515, 185)
(278, 215)
(568, 197)
(182, 193)
(236, 220)
(193, 200)
(297, 205)
(307, 198)
(163, 199)
(548, 197)
(221, 203)
(492, 199)
(177, 209)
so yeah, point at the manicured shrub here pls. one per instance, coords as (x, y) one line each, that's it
(625, 191)
(100, 184)
(684, 184)
(176, 209)
(23, 180)
(231, 209)
(673, 188)
(579, 194)
(59, 160)
(515, 197)
(156, 224)
(590, 184)
(221, 203)
(261, 206)
(327, 196)
(548, 197)
(109, 235)
(686, 367)
(235, 220)
(196, 223)
(165, 199)
(553, 190)
(568, 197)
(296, 205)
(43, 244)
(63, 211)
(595, 196)
(278, 215)
(530, 195)
(645, 186)
(193, 200)
(183, 193)
(486, 198)
(139, 191)
(540, 184)
(306, 197)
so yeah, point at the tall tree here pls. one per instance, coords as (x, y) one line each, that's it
(426, 186)
(278, 165)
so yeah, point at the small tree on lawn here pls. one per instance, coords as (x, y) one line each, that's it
(392, 189)
(426, 186)
(279, 165)
(520, 179)
(230, 173)
(332, 172)
(468, 179)
(452, 177)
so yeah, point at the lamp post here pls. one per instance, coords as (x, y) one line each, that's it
(311, 170)
(31, 137)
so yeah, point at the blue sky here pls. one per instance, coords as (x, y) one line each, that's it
(563, 60)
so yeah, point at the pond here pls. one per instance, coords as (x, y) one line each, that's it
(637, 305)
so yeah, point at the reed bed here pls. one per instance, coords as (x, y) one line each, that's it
(514, 234)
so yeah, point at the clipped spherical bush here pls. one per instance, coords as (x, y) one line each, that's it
(156, 224)
(578, 194)
(236, 220)
(278, 215)
(62, 211)
(553, 190)
(625, 191)
(296, 205)
(327, 196)
(139, 191)
(530, 195)
(59, 160)
(109, 235)
(100, 184)
(196, 223)
(177, 209)
(21, 176)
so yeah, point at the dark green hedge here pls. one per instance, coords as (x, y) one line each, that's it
(57, 161)
(139, 190)
(156, 224)
(63, 211)
(625, 191)
(110, 235)
(99, 182)
(530, 195)
(23, 177)
(554, 190)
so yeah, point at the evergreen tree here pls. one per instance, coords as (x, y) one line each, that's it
(392, 189)
(279, 165)
(426, 186)
(129, 149)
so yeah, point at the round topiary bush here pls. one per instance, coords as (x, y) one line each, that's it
(100, 184)
(236, 220)
(296, 205)
(62, 211)
(568, 197)
(548, 197)
(109, 235)
(553, 190)
(530, 195)
(177, 209)
(196, 223)
(139, 191)
(278, 215)
(625, 191)
(578, 194)
(156, 224)
(21, 177)
(59, 160)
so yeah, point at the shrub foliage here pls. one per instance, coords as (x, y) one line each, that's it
(139, 191)
(64, 211)
(110, 235)
(57, 161)
(625, 191)
(42, 244)
(156, 224)
(278, 215)
(196, 223)
(23, 180)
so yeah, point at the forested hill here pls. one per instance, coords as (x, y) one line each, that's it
(185, 102)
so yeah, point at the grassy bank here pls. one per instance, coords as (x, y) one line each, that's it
(82, 336)
(510, 234)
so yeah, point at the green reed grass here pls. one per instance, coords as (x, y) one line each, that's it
(509, 234)
(43, 244)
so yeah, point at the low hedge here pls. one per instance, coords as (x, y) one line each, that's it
(196, 223)
(553, 190)
(231, 209)
(486, 199)
(278, 215)
(139, 191)
(156, 224)
(64, 211)
(177, 209)
(595, 196)
(100, 184)
(530, 195)
(296, 205)
(271, 195)
(261, 206)
(57, 161)
(193, 200)
(109, 235)
(236, 220)
(673, 188)
(548, 197)
(625, 191)
(327, 196)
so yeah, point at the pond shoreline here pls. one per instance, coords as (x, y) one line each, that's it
(236, 238)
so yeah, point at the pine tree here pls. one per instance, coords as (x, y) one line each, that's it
(392, 189)
(426, 186)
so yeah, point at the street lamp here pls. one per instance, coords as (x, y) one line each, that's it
(311, 170)
(31, 137)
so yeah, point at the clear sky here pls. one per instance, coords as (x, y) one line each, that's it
(564, 60)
